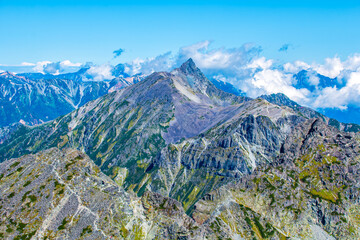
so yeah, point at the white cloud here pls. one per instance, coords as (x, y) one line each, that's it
(352, 63)
(331, 97)
(260, 63)
(163, 62)
(27, 64)
(332, 67)
(49, 67)
(99, 72)
(39, 66)
(67, 63)
(268, 81)
(226, 59)
(313, 79)
(296, 66)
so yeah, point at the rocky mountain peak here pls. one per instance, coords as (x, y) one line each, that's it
(190, 69)
(192, 77)
(189, 66)
(6, 73)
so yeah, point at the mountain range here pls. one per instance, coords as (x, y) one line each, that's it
(34, 98)
(175, 157)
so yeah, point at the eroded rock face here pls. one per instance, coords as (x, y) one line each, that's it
(282, 100)
(310, 192)
(63, 195)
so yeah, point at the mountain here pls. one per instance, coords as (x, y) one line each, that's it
(192, 155)
(63, 195)
(34, 98)
(349, 115)
(309, 192)
(314, 81)
(283, 100)
(172, 133)
(227, 87)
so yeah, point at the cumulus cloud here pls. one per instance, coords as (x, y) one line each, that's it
(260, 63)
(295, 67)
(265, 78)
(117, 53)
(228, 62)
(332, 67)
(52, 68)
(48, 67)
(332, 97)
(226, 59)
(331, 84)
(67, 63)
(39, 66)
(99, 72)
(314, 79)
(163, 62)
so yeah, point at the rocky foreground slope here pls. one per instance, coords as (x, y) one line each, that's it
(63, 195)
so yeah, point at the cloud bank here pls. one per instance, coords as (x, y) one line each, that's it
(333, 84)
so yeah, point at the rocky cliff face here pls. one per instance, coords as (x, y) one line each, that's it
(63, 195)
(309, 192)
(283, 100)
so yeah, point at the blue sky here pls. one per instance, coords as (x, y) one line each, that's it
(85, 31)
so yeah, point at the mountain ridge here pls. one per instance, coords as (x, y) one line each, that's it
(36, 98)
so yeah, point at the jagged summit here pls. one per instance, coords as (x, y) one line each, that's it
(189, 66)
(7, 73)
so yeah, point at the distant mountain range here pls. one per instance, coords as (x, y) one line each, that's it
(184, 160)
(34, 98)
(304, 79)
